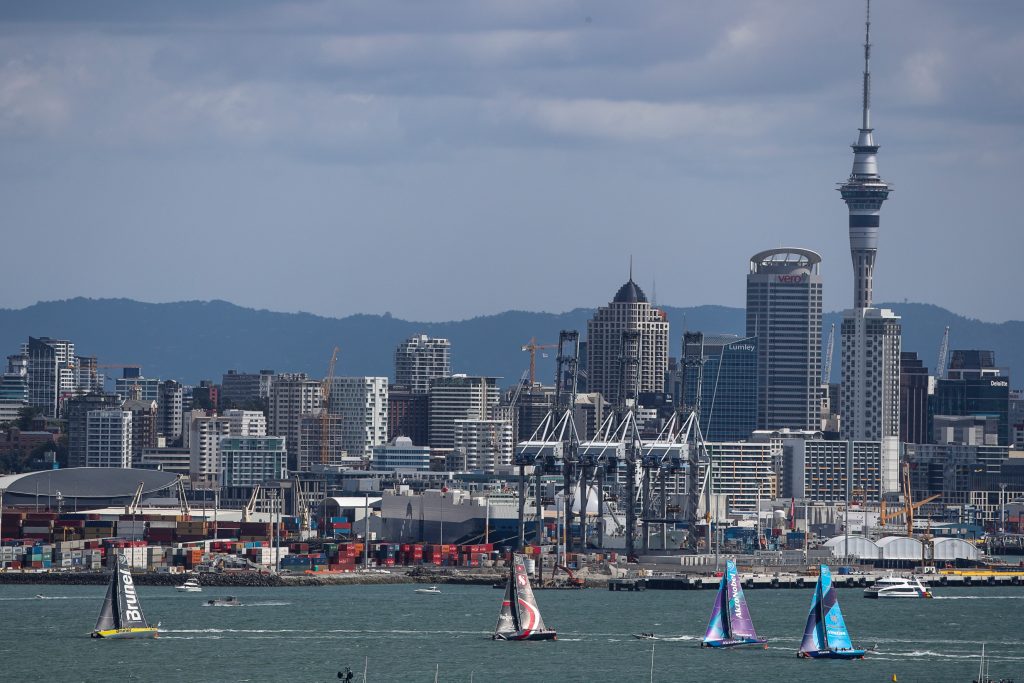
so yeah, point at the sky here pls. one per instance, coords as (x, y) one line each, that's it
(443, 160)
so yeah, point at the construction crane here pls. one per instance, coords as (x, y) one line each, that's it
(826, 368)
(250, 507)
(325, 418)
(907, 510)
(940, 365)
(532, 347)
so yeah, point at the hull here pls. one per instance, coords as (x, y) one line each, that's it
(733, 643)
(901, 593)
(126, 633)
(832, 654)
(536, 635)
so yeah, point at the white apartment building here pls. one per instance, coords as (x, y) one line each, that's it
(420, 359)
(204, 435)
(246, 422)
(251, 460)
(401, 454)
(147, 388)
(51, 372)
(486, 444)
(870, 394)
(744, 472)
(362, 405)
(829, 471)
(108, 435)
(459, 397)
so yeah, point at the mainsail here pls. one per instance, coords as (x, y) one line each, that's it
(826, 633)
(129, 611)
(730, 622)
(519, 618)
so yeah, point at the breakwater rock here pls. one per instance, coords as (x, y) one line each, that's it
(251, 579)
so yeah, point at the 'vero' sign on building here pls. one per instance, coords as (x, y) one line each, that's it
(792, 279)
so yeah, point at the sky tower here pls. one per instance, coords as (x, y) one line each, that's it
(864, 191)
(871, 337)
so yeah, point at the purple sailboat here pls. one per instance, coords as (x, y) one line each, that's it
(730, 622)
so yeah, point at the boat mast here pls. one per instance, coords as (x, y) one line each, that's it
(821, 610)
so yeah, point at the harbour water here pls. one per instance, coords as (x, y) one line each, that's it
(309, 634)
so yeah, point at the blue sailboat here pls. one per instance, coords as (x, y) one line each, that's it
(730, 622)
(825, 636)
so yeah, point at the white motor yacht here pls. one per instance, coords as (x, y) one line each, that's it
(190, 586)
(897, 587)
(433, 590)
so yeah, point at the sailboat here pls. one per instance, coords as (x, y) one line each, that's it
(730, 622)
(121, 616)
(825, 636)
(519, 618)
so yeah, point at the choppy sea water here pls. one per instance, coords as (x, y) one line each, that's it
(309, 634)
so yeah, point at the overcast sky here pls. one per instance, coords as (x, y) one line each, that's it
(441, 160)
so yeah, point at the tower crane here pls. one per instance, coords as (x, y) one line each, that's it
(940, 365)
(325, 418)
(826, 368)
(532, 347)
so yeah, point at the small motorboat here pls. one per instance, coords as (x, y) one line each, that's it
(897, 587)
(190, 586)
(645, 636)
(230, 601)
(433, 590)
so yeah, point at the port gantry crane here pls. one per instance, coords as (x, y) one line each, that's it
(554, 445)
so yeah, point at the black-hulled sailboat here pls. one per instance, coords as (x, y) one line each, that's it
(121, 615)
(730, 622)
(519, 618)
(826, 636)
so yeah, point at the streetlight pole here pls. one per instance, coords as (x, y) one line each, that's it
(1002, 507)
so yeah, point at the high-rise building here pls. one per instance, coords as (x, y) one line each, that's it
(744, 472)
(831, 471)
(871, 337)
(251, 460)
(51, 372)
(87, 376)
(362, 403)
(138, 388)
(724, 367)
(627, 345)
(420, 359)
(246, 422)
(486, 445)
(76, 411)
(13, 388)
(913, 399)
(975, 387)
(291, 397)
(459, 397)
(108, 437)
(311, 452)
(408, 415)
(205, 432)
(143, 414)
(784, 314)
(239, 389)
(170, 411)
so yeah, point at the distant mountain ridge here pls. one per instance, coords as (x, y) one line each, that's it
(193, 340)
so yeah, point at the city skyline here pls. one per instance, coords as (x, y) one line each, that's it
(475, 134)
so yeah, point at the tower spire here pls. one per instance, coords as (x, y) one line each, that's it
(866, 120)
(630, 267)
(864, 191)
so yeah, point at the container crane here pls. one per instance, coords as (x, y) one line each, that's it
(325, 418)
(250, 507)
(532, 347)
